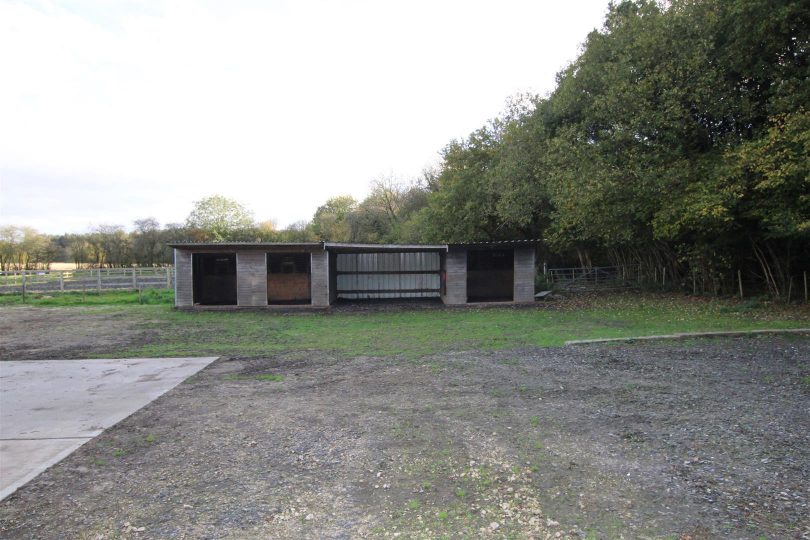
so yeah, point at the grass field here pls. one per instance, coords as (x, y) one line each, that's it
(155, 329)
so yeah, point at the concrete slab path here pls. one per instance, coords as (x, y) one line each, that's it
(49, 408)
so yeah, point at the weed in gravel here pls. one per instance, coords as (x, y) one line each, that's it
(534, 421)
(274, 377)
(413, 504)
(150, 438)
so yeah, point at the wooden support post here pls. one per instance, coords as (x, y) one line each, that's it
(790, 288)
(664, 277)
(168, 277)
(694, 284)
(134, 279)
(98, 281)
(739, 282)
(62, 281)
(805, 286)
(23, 286)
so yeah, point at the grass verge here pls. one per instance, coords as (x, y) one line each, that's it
(414, 333)
(91, 298)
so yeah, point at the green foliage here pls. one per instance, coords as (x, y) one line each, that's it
(773, 173)
(218, 218)
(677, 138)
(331, 221)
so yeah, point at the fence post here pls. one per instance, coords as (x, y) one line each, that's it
(664, 277)
(805, 286)
(61, 281)
(23, 286)
(168, 277)
(98, 281)
(134, 279)
(739, 282)
(545, 268)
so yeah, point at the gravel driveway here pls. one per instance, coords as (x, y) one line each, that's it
(692, 439)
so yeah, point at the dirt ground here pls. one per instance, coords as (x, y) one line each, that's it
(691, 439)
(60, 333)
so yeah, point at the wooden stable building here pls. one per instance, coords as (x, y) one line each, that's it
(248, 274)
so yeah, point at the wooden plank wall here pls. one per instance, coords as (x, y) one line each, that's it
(524, 274)
(251, 278)
(183, 281)
(319, 269)
(455, 267)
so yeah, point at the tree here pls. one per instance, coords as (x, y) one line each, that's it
(218, 218)
(147, 244)
(331, 220)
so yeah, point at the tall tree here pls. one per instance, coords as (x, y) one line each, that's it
(219, 218)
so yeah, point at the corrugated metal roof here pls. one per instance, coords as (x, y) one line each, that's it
(493, 242)
(346, 246)
(349, 246)
(246, 245)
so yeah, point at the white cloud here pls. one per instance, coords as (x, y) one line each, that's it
(115, 111)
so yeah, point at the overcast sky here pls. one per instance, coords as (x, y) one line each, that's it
(114, 110)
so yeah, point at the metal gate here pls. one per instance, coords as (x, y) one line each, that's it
(388, 275)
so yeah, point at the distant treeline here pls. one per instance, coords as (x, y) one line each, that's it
(677, 142)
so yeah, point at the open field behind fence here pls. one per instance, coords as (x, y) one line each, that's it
(94, 279)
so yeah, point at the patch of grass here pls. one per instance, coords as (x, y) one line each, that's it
(91, 298)
(274, 377)
(534, 421)
(413, 504)
(443, 515)
(150, 438)
(806, 380)
(414, 334)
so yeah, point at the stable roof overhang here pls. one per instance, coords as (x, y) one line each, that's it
(247, 246)
(341, 247)
(493, 245)
(346, 247)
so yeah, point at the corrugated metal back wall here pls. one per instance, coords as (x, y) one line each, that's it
(388, 275)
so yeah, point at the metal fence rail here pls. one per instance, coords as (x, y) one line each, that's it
(595, 277)
(93, 279)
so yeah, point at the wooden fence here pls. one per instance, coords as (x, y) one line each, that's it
(94, 279)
